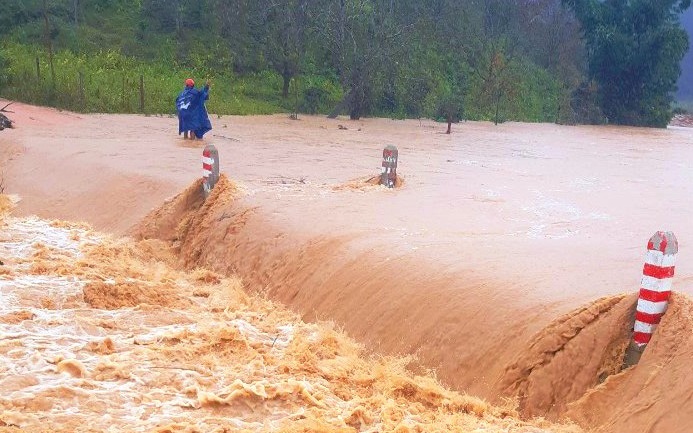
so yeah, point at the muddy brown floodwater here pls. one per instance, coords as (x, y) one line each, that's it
(496, 232)
(102, 335)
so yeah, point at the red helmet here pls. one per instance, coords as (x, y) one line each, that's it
(189, 83)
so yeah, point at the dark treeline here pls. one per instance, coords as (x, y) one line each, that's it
(685, 83)
(538, 60)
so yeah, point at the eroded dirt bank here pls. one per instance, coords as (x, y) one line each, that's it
(654, 396)
(573, 369)
(462, 325)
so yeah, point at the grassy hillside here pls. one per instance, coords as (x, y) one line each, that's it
(109, 82)
(268, 57)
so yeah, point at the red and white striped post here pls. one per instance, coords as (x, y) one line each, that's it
(210, 168)
(655, 289)
(388, 176)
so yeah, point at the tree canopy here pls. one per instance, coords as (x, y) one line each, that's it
(635, 48)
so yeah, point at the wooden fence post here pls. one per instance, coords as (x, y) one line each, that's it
(142, 93)
(82, 99)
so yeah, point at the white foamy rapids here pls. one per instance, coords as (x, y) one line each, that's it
(68, 367)
(22, 234)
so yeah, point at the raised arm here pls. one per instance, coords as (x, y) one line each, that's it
(205, 92)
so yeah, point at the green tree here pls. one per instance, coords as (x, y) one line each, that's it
(241, 24)
(17, 12)
(494, 55)
(552, 41)
(634, 50)
(450, 105)
(284, 38)
(362, 39)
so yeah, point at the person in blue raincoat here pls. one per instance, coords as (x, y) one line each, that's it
(192, 113)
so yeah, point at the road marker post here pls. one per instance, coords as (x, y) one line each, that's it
(388, 176)
(210, 168)
(655, 289)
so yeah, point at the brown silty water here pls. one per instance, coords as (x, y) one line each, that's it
(495, 232)
(101, 334)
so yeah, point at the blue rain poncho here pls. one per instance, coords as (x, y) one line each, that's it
(192, 113)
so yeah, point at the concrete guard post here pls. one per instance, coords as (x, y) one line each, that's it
(389, 170)
(655, 289)
(210, 168)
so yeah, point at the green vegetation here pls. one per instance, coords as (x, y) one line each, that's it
(110, 83)
(636, 48)
(446, 59)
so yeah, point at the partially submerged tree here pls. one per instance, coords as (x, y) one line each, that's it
(634, 53)
(450, 106)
